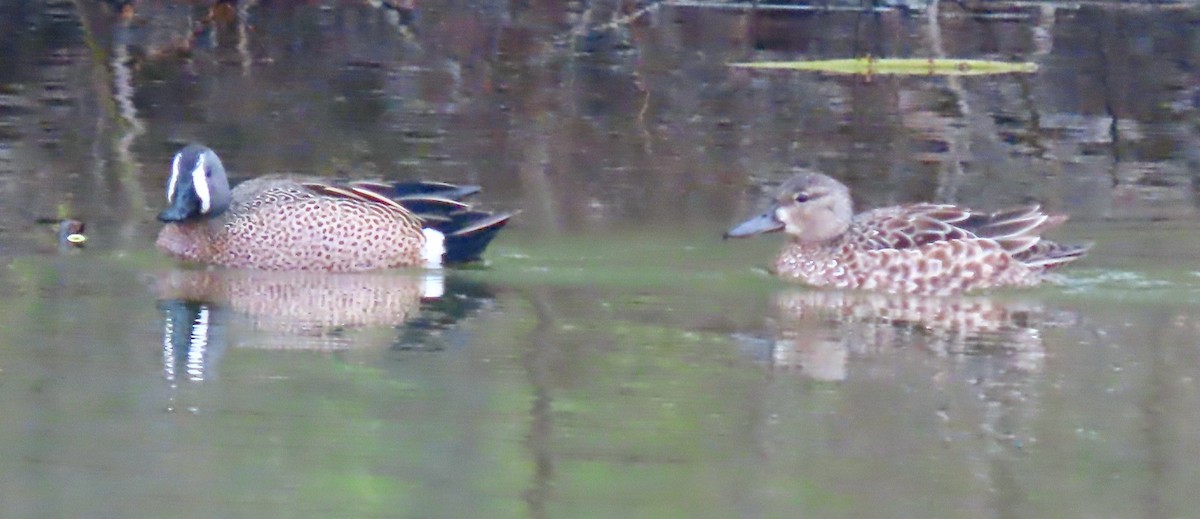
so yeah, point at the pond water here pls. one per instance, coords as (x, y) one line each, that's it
(614, 357)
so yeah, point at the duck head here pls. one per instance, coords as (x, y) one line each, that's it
(810, 207)
(198, 188)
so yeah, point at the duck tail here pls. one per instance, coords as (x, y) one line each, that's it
(467, 231)
(1046, 254)
(468, 234)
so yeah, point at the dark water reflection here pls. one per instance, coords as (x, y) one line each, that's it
(615, 356)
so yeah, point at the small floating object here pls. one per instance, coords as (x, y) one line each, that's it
(869, 66)
(71, 232)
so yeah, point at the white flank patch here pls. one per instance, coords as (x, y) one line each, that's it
(174, 178)
(200, 184)
(197, 346)
(434, 248)
(433, 284)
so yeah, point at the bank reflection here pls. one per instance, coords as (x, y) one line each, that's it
(819, 333)
(206, 312)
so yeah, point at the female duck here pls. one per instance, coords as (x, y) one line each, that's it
(279, 222)
(926, 249)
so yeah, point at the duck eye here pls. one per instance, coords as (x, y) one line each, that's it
(801, 198)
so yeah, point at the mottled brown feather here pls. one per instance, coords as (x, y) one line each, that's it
(930, 249)
(282, 224)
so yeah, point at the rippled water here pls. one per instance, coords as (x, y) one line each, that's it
(614, 357)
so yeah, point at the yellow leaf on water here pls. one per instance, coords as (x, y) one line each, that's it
(910, 67)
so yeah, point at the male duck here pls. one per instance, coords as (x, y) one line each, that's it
(279, 222)
(923, 249)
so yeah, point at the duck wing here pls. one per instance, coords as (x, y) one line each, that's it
(1016, 230)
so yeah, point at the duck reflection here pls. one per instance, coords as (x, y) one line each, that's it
(818, 332)
(207, 311)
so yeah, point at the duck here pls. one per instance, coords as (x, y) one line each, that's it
(297, 223)
(919, 249)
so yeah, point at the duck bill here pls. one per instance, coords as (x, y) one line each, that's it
(182, 208)
(173, 214)
(763, 223)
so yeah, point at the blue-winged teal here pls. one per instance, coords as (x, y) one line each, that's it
(279, 222)
(929, 249)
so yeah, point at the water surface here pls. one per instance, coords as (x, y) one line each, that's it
(615, 357)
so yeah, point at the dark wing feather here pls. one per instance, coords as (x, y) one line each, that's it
(418, 189)
(432, 206)
(1047, 254)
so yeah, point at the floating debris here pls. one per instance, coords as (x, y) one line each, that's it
(70, 233)
(908, 67)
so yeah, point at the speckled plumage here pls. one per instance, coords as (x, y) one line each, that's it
(279, 222)
(288, 226)
(927, 249)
